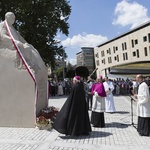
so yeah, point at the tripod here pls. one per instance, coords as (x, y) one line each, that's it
(132, 123)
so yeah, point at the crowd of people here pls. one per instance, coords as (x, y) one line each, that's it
(119, 86)
(60, 88)
(97, 96)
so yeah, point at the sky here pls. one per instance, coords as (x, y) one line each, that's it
(93, 22)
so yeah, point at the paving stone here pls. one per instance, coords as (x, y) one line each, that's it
(119, 133)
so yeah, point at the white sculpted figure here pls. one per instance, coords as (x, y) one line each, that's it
(20, 78)
(29, 52)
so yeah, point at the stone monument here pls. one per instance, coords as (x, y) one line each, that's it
(23, 79)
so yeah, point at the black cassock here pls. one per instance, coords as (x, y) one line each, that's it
(73, 118)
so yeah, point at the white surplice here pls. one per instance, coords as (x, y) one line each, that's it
(109, 100)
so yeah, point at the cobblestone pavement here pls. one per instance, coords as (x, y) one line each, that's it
(119, 133)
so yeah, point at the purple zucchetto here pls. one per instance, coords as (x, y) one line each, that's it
(99, 77)
(77, 78)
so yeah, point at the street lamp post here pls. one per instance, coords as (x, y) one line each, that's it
(64, 65)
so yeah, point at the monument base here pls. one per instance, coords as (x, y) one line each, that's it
(17, 96)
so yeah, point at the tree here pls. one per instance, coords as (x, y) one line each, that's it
(69, 66)
(39, 21)
(82, 71)
(59, 72)
(70, 74)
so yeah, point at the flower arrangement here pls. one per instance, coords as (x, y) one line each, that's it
(46, 118)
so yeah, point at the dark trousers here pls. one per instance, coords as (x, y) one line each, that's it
(52, 91)
(97, 119)
(89, 100)
(143, 126)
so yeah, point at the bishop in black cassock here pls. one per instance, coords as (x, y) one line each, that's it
(73, 118)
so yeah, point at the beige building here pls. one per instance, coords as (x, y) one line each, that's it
(130, 47)
(86, 58)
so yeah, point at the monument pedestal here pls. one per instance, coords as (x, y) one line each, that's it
(23, 78)
(17, 96)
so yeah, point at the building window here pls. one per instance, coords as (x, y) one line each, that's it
(125, 45)
(102, 53)
(96, 55)
(126, 55)
(115, 58)
(149, 37)
(132, 42)
(122, 46)
(123, 56)
(109, 51)
(144, 38)
(109, 60)
(137, 52)
(145, 51)
(136, 41)
(118, 58)
(134, 54)
(103, 61)
(114, 49)
(97, 62)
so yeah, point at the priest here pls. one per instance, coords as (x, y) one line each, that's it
(143, 107)
(109, 100)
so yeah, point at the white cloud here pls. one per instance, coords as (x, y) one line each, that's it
(58, 36)
(130, 14)
(73, 61)
(84, 40)
(73, 45)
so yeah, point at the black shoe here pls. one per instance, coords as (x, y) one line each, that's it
(141, 134)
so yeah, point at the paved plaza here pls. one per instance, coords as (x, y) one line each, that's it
(119, 133)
